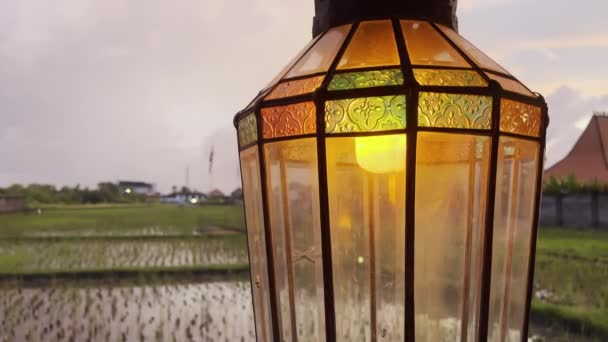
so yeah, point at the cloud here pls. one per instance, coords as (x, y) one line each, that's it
(569, 111)
(580, 40)
(102, 90)
(465, 6)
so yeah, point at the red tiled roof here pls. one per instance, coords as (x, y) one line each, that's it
(588, 159)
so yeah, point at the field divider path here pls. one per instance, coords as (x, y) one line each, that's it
(212, 270)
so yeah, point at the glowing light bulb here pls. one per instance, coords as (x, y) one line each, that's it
(381, 154)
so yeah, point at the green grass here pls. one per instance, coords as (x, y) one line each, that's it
(573, 266)
(592, 323)
(122, 220)
(586, 244)
(98, 255)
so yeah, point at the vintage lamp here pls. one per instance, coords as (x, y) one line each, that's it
(391, 176)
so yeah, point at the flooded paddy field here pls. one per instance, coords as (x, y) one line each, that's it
(147, 307)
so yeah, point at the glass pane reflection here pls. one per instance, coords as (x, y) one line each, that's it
(367, 213)
(295, 224)
(451, 187)
(252, 194)
(513, 220)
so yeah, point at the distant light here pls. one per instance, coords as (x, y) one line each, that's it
(360, 260)
(194, 200)
(128, 190)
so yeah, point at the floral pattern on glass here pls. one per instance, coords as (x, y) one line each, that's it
(283, 121)
(449, 78)
(520, 118)
(454, 111)
(248, 130)
(366, 79)
(294, 88)
(381, 113)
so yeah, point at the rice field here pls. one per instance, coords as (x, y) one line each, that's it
(147, 308)
(153, 274)
(27, 256)
(125, 274)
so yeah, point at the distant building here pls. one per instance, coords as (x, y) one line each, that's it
(236, 197)
(184, 198)
(237, 194)
(588, 159)
(12, 204)
(217, 194)
(139, 188)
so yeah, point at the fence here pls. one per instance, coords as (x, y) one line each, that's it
(11, 204)
(584, 210)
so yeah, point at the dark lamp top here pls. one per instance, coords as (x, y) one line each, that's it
(332, 13)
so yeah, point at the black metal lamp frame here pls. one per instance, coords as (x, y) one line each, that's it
(411, 90)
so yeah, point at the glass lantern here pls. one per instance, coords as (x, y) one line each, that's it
(391, 177)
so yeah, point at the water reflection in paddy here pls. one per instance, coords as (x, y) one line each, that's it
(146, 308)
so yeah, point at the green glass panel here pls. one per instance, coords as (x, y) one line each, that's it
(366, 79)
(247, 130)
(381, 113)
(454, 111)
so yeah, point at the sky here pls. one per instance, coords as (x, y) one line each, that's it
(102, 90)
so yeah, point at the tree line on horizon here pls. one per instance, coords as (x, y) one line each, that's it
(105, 192)
(571, 185)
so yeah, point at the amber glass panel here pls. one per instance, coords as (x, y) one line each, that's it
(513, 221)
(381, 113)
(294, 88)
(451, 187)
(252, 194)
(367, 214)
(474, 53)
(511, 85)
(454, 111)
(366, 79)
(248, 130)
(372, 45)
(288, 67)
(520, 118)
(449, 78)
(295, 119)
(295, 224)
(320, 57)
(427, 47)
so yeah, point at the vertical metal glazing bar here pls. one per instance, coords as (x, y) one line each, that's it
(513, 198)
(486, 273)
(251, 281)
(320, 96)
(532, 260)
(469, 242)
(288, 247)
(276, 328)
(328, 283)
(411, 90)
(372, 256)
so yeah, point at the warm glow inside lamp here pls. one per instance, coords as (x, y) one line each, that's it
(391, 177)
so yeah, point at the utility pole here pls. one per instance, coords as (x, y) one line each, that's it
(188, 176)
